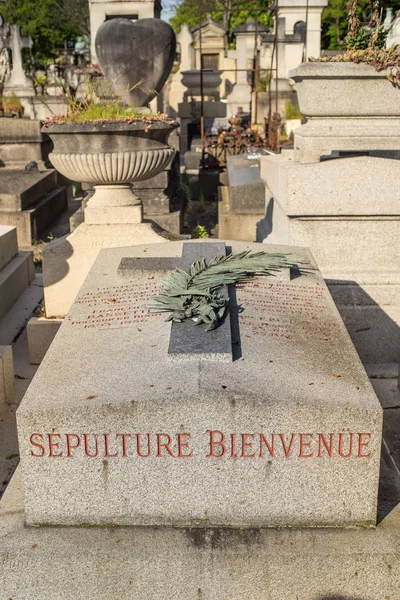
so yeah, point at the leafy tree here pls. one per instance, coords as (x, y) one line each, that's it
(50, 23)
(334, 20)
(229, 13)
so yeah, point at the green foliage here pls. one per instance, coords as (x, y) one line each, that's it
(11, 102)
(367, 44)
(201, 205)
(263, 81)
(195, 295)
(199, 232)
(226, 12)
(292, 110)
(335, 21)
(50, 23)
(90, 109)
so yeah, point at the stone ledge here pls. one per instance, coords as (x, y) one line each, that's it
(142, 563)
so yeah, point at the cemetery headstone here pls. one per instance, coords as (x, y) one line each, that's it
(284, 431)
(18, 83)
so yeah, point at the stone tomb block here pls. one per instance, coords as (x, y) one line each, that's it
(116, 428)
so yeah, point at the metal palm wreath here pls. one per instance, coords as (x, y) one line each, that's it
(195, 295)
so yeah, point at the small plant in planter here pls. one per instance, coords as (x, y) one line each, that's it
(110, 145)
(367, 44)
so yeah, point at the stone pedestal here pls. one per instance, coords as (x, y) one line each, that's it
(16, 269)
(336, 192)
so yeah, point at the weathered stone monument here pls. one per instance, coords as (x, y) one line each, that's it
(17, 83)
(336, 193)
(209, 444)
(255, 447)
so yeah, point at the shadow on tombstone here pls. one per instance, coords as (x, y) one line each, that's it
(60, 249)
(374, 334)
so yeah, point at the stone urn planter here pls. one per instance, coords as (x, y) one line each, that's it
(344, 90)
(347, 106)
(211, 82)
(111, 155)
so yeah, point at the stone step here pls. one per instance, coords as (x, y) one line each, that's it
(15, 320)
(19, 189)
(33, 222)
(8, 244)
(14, 279)
(143, 562)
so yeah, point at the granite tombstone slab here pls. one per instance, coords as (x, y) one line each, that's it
(136, 57)
(285, 433)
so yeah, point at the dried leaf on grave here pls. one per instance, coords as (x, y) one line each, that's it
(336, 375)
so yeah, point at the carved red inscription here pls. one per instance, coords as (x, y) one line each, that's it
(213, 443)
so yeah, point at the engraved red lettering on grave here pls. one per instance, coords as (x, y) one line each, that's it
(247, 445)
(182, 445)
(322, 442)
(214, 443)
(270, 447)
(362, 445)
(164, 444)
(70, 445)
(304, 445)
(287, 449)
(37, 445)
(138, 445)
(106, 447)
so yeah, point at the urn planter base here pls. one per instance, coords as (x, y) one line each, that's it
(114, 204)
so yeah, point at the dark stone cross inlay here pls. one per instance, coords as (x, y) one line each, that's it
(186, 338)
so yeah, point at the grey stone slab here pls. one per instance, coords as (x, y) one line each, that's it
(19, 189)
(40, 333)
(16, 318)
(14, 131)
(59, 563)
(14, 279)
(297, 381)
(246, 188)
(6, 377)
(171, 222)
(160, 181)
(387, 392)
(8, 244)
(32, 222)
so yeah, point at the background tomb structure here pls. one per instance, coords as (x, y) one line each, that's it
(336, 192)
(315, 389)
(241, 198)
(16, 269)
